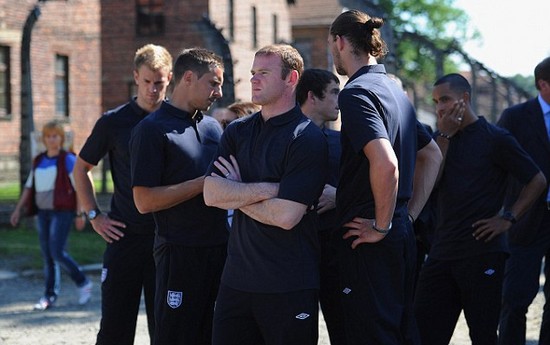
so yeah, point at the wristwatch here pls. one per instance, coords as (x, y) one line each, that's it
(509, 216)
(93, 214)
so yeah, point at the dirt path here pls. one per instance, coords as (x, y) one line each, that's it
(69, 323)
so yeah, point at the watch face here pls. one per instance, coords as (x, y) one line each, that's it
(92, 214)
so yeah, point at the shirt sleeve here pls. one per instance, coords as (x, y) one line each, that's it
(306, 169)
(98, 143)
(360, 119)
(146, 155)
(423, 136)
(513, 158)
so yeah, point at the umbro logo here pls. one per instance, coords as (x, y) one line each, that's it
(490, 272)
(302, 316)
(346, 291)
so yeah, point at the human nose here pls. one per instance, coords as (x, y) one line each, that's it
(218, 93)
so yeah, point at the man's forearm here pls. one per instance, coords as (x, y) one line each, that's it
(282, 213)
(228, 194)
(428, 162)
(153, 199)
(84, 185)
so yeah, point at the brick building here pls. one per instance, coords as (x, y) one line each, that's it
(65, 64)
(233, 29)
(81, 54)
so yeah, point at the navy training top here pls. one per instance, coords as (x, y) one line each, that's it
(329, 219)
(111, 135)
(472, 187)
(169, 147)
(291, 150)
(373, 106)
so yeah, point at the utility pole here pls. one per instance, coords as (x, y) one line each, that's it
(27, 121)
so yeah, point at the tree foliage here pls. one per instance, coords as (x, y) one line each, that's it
(526, 82)
(421, 26)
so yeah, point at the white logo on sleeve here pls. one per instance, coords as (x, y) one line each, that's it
(302, 316)
(346, 291)
(174, 298)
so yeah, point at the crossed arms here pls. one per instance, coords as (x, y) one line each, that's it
(257, 200)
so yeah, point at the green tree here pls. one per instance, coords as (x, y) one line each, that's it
(527, 83)
(419, 27)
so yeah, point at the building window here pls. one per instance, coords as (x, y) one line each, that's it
(231, 20)
(275, 29)
(254, 28)
(62, 85)
(5, 91)
(150, 17)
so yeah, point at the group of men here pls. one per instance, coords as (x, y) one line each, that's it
(319, 215)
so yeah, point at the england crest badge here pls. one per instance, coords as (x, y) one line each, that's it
(174, 298)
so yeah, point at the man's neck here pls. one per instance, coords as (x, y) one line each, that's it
(358, 62)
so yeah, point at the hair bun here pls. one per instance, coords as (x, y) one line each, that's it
(374, 23)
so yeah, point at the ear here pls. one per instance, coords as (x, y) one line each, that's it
(340, 42)
(311, 96)
(467, 97)
(170, 77)
(136, 76)
(543, 84)
(293, 77)
(188, 76)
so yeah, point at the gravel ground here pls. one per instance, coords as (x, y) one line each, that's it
(69, 323)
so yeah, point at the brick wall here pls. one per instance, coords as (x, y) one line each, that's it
(182, 31)
(69, 28)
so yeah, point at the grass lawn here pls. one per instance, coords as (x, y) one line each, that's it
(19, 248)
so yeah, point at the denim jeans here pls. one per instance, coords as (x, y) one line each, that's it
(53, 231)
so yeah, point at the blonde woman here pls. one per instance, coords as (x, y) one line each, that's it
(49, 189)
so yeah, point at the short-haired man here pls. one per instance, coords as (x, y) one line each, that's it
(465, 266)
(170, 152)
(128, 265)
(271, 169)
(529, 239)
(317, 94)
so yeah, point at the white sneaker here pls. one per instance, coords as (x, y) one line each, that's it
(44, 303)
(85, 293)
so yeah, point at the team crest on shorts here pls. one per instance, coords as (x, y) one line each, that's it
(174, 298)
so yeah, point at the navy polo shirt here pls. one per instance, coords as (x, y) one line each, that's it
(373, 106)
(472, 187)
(168, 147)
(110, 135)
(291, 150)
(329, 219)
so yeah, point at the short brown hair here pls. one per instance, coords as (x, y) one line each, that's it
(244, 108)
(542, 72)
(290, 58)
(198, 60)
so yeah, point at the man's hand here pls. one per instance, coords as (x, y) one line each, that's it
(490, 228)
(449, 123)
(327, 200)
(230, 170)
(362, 228)
(108, 228)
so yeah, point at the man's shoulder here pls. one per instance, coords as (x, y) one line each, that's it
(520, 108)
